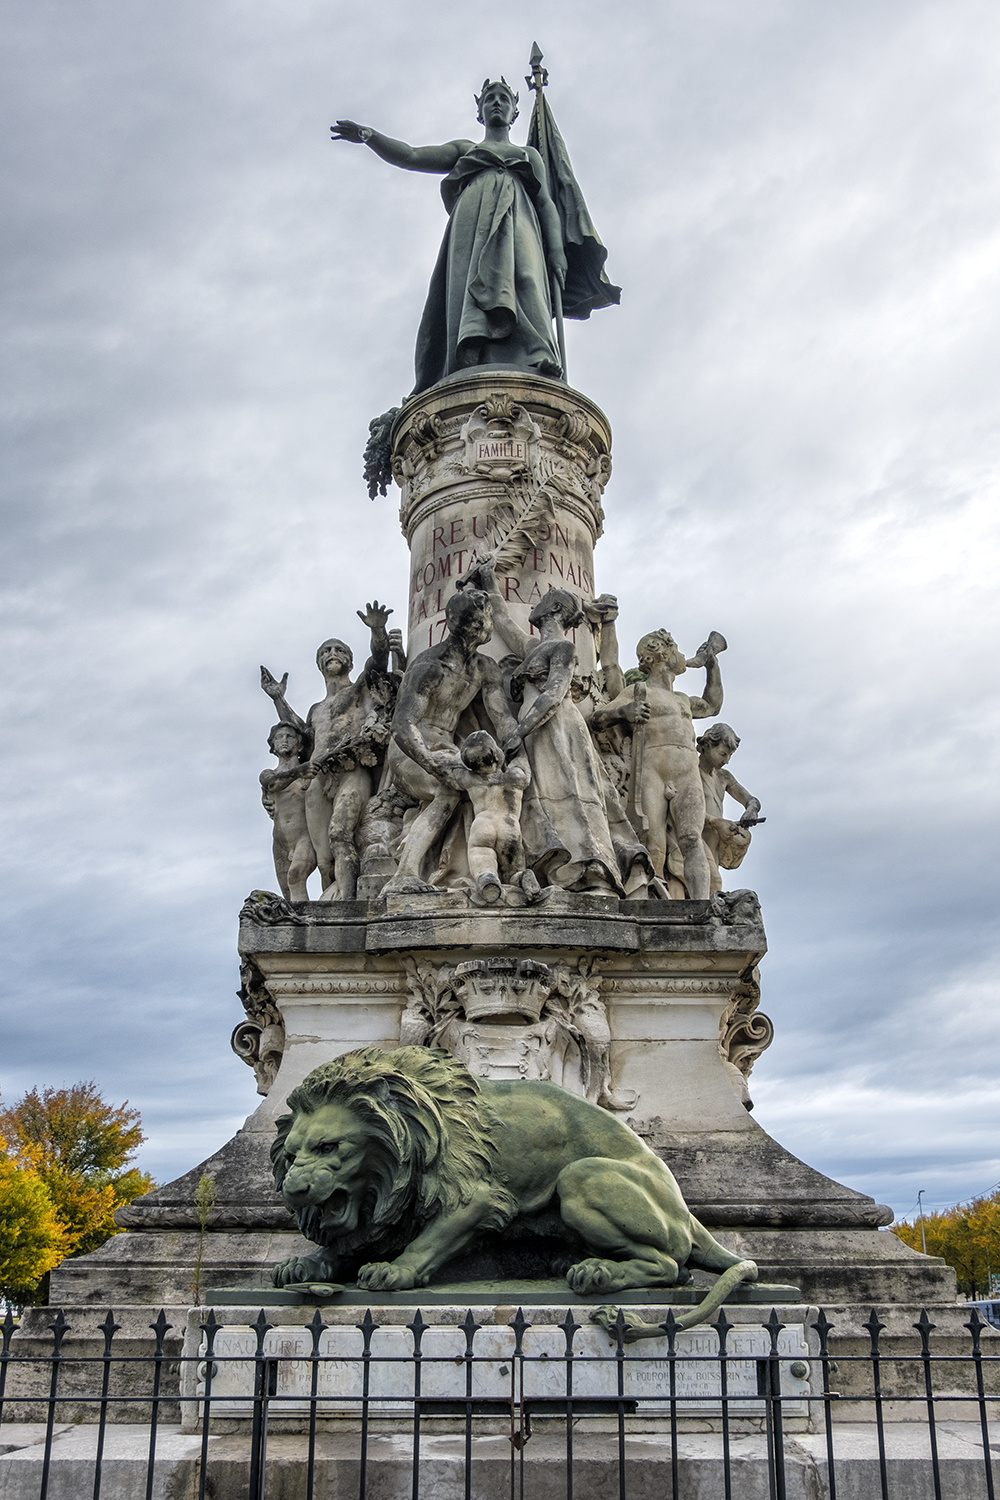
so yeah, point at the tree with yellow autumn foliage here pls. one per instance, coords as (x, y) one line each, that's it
(76, 1148)
(967, 1237)
(32, 1240)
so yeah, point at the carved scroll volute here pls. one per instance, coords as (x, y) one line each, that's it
(573, 428)
(744, 1033)
(259, 1041)
(261, 1048)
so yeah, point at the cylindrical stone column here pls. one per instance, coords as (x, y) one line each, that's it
(500, 462)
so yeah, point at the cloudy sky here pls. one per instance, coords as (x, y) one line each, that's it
(205, 303)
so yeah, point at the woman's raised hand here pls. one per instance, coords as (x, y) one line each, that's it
(347, 130)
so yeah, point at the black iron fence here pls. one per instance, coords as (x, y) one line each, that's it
(511, 1410)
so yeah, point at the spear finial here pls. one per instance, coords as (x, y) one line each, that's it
(539, 76)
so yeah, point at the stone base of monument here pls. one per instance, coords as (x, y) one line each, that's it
(641, 1004)
(541, 1378)
(29, 1372)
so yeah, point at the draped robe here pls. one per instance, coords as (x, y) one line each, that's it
(489, 300)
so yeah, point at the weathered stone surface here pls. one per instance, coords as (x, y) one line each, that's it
(155, 1266)
(532, 496)
(341, 975)
(566, 920)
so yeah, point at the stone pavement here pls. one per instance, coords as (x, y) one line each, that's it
(648, 1464)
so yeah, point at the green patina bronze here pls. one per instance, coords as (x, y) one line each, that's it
(395, 1163)
(520, 246)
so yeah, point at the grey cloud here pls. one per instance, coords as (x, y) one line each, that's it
(205, 304)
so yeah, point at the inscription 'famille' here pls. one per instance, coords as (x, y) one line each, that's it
(512, 448)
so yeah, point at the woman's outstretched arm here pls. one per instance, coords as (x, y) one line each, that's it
(438, 159)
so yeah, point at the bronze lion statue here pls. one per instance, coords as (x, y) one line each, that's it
(394, 1163)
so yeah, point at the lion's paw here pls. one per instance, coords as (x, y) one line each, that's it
(386, 1276)
(589, 1276)
(301, 1268)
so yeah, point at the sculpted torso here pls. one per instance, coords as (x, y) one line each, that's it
(669, 731)
(338, 717)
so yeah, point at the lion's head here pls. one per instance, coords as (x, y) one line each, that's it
(379, 1143)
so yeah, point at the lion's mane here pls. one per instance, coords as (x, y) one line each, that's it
(430, 1142)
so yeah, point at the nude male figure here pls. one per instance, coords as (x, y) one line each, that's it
(342, 755)
(496, 791)
(671, 790)
(283, 793)
(437, 688)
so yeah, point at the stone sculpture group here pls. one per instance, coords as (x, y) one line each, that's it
(506, 779)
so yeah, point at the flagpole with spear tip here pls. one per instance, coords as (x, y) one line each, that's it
(537, 79)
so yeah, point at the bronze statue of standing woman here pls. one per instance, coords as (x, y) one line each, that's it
(490, 298)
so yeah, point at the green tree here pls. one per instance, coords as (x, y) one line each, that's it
(966, 1236)
(32, 1240)
(79, 1146)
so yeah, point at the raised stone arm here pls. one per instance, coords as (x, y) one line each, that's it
(707, 654)
(602, 613)
(710, 702)
(276, 691)
(375, 616)
(482, 575)
(397, 651)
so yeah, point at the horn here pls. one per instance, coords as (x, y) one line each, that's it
(708, 649)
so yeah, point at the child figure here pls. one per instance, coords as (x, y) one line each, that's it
(725, 842)
(283, 793)
(496, 851)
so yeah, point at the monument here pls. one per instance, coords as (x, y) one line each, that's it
(519, 1012)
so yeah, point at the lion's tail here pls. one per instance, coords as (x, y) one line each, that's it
(744, 1270)
(607, 1317)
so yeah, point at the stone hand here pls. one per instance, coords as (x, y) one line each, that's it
(395, 640)
(480, 573)
(637, 713)
(375, 616)
(601, 611)
(511, 746)
(272, 687)
(558, 265)
(347, 130)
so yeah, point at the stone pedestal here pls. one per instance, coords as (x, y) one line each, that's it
(500, 462)
(660, 977)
